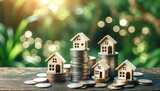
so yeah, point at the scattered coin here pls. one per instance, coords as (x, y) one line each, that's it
(100, 85)
(29, 82)
(114, 88)
(144, 84)
(40, 79)
(138, 74)
(84, 87)
(119, 84)
(41, 75)
(43, 85)
(118, 80)
(145, 81)
(129, 86)
(87, 82)
(74, 85)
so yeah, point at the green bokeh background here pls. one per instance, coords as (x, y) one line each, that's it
(52, 23)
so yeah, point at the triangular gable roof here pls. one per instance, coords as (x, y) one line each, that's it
(57, 55)
(127, 63)
(103, 64)
(82, 35)
(107, 37)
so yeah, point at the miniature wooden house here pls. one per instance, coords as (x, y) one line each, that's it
(107, 45)
(80, 41)
(101, 70)
(55, 63)
(125, 71)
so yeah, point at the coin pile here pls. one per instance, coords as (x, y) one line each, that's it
(58, 77)
(92, 61)
(144, 82)
(38, 82)
(119, 84)
(86, 83)
(79, 65)
(67, 68)
(111, 60)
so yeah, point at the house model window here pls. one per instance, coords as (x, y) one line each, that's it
(51, 67)
(99, 67)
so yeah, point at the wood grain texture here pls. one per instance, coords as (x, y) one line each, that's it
(13, 78)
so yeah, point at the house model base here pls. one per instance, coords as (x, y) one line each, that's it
(58, 77)
(111, 60)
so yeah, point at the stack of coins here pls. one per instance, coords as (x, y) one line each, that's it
(92, 61)
(112, 61)
(58, 77)
(145, 82)
(67, 68)
(79, 65)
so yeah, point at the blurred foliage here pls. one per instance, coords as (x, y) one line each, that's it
(50, 24)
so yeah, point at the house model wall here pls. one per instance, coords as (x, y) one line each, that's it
(101, 70)
(125, 71)
(80, 41)
(107, 45)
(55, 63)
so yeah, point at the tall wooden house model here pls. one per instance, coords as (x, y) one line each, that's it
(125, 71)
(55, 63)
(80, 41)
(107, 45)
(101, 70)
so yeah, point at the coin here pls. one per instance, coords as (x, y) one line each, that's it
(119, 84)
(87, 82)
(74, 85)
(40, 79)
(43, 85)
(118, 80)
(67, 65)
(138, 74)
(114, 88)
(41, 75)
(145, 84)
(129, 86)
(145, 81)
(100, 85)
(29, 82)
(84, 87)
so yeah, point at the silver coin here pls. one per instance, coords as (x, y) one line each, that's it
(66, 66)
(41, 75)
(87, 82)
(119, 84)
(29, 82)
(40, 79)
(129, 86)
(74, 85)
(138, 74)
(43, 85)
(145, 81)
(114, 88)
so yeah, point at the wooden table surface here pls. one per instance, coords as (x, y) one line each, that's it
(13, 78)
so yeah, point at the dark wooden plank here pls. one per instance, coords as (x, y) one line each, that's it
(13, 78)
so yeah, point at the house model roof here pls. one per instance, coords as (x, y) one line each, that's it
(102, 63)
(107, 37)
(126, 62)
(56, 54)
(82, 35)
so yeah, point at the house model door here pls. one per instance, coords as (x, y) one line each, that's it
(57, 68)
(127, 75)
(110, 49)
(100, 75)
